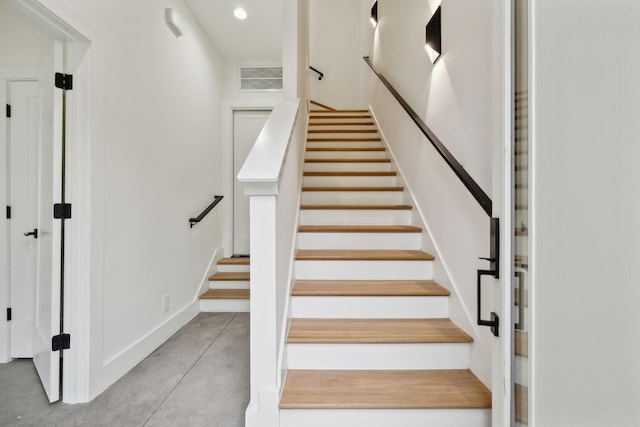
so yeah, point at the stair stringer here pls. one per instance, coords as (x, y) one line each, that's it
(218, 254)
(286, 313)
(459, 312)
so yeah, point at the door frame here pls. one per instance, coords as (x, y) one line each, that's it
(82, 359)
(228, 178)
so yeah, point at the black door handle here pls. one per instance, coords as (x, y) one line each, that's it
(494, 323)
(33, 233)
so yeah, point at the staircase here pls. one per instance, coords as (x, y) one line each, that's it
(369, 342)
(228, 287)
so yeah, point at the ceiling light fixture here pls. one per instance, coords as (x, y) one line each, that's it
(240, 13)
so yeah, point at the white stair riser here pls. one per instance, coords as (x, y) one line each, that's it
(350, 181)
(229, 284)
(346, 155)
(378, 356)
(355, 216)
(522, 367)
(350, 144)
(233, 268)
(341, 307)
(224, 305)
(364, 270)
(359, 240)
(347, 166)
(352, 197)
(385, 417)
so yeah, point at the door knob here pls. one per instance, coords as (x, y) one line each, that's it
(33, 233)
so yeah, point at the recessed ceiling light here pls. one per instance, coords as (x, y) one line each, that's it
(240, 13)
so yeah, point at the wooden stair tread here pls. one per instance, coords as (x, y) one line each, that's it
(343, 160)
(362, 255)
(234, 261)
(368, 188)
(359, 229)
(376, 331)
(350, 173)
(324, 123)
(342, 149)
(230, 276)
(343, 139)
(334, 110)
(226, 294)
(339, 116)
(428, 389)
(342, 131)
(357, 207)
(424, 288)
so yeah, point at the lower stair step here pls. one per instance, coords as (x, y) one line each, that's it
(383, 331)
(434, 389)
(225, 301)
(312, 288)
(224, 276)
(363, 255)
(226, 294)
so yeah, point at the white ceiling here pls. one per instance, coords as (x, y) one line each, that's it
(256, 39)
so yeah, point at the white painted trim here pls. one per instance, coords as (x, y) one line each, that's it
(265, 160)
(501, 391)
(533, 191)
(218, 254)
(121, 363)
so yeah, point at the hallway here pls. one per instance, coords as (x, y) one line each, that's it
(199, 377)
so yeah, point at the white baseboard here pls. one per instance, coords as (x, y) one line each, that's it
(218, 254)
(123, 362)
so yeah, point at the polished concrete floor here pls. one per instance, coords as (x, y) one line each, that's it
(199, 377)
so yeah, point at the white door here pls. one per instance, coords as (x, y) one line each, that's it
(47, 308)
(23, 195)
(246, 128)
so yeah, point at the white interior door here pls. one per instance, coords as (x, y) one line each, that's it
(23, 194)
(246, 128)
(47, 309)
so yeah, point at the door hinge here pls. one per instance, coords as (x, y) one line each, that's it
(64, 81)
(8, 212)
(62, 210)
(61, 342)
(8, 111)
(9, 314)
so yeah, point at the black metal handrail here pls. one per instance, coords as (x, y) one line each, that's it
(473, 187)
(194, 221)
(320, 73)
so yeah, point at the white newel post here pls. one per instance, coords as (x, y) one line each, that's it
(263, 407)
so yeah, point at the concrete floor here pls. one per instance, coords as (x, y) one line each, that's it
(199, 377)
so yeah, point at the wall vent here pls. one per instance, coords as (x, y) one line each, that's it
(260, 78)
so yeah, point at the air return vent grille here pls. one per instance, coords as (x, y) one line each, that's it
(261, 78)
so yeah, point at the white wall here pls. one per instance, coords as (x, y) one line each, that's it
(17, 60)
(340, 34)
(586, 207)
(457, 97)
(155, 161)
(22, 40)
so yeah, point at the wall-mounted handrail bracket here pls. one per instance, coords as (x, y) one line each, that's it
(494, 271)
